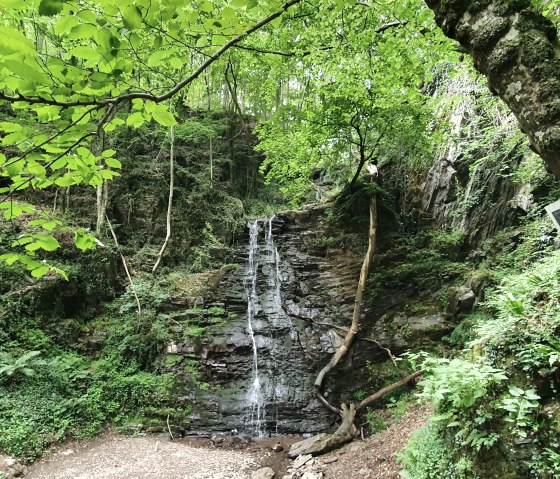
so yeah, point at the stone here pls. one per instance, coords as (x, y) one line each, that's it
(301, 461)
(313, 475)
(462, 300)
(14, 468)
(318, 444)
(330, 460)
(10, 462)
(277, 447)
(263, 473)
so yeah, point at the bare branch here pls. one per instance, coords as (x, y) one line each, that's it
(379, 394)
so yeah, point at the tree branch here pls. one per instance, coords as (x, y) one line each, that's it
(379, 394)
(149, 96)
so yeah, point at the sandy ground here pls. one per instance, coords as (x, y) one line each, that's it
(118, 457)
(112, 456)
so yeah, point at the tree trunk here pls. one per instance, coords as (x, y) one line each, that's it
(170, 199)
(347, 428)
(102, 199)
(518, 51)
(364, 273)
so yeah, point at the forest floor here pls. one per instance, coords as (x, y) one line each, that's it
(113, 456)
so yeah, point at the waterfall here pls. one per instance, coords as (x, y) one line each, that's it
(256, 404)
(264, 313)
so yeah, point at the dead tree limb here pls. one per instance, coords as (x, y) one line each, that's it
(170, 200)
(124, 265)
(379, 394)
(356, 316)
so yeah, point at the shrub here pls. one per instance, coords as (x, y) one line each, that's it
(428, 456)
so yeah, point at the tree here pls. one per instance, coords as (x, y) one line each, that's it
(516, 48)
(94, 68)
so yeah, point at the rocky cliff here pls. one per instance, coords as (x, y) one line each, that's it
(303, 300)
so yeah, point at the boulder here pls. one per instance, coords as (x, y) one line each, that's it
(462, 300)
(263, 473)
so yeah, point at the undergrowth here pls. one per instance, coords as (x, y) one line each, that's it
(496, 406)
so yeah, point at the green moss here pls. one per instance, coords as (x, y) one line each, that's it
(172, 359)
(503, 56)
(489, 33)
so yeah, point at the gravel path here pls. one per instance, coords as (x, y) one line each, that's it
(118, 457)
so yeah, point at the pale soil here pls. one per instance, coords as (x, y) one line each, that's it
(119, 457)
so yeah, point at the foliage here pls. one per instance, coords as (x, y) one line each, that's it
(13, 368)
(459, 391)
(497, 395)
(428, 456)
(73, 397)
(351, 112)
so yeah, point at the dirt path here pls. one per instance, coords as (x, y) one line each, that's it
(119, 457)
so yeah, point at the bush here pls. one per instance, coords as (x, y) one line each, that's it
(427, 456)
(74, 397)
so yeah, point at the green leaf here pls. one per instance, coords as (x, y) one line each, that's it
(65, 24)
(83, 30)
(132, 17)
(206, 6)
(113, 163)
(84, 240)
(40, 271)
(49, 8)
(163, 117)
(136, 119)
(85, 53)
(156, 58)
(36, 169)
(13, 212)
(60, 163)
(8, 127)
(43, 241)
(67, 180)
(108, 153)
(12, 41)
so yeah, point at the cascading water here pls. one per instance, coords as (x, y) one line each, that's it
(256, 405)
(264, 305)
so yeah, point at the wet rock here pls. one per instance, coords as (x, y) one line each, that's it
(277, 447)
(263, 473)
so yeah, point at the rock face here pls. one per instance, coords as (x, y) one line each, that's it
(258, 376)
(469, 187)
(262, 373)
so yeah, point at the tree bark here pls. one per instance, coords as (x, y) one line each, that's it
(170, 199)
(518, 51)
(356, 316)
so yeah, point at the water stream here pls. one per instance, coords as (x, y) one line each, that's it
(262, 282)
